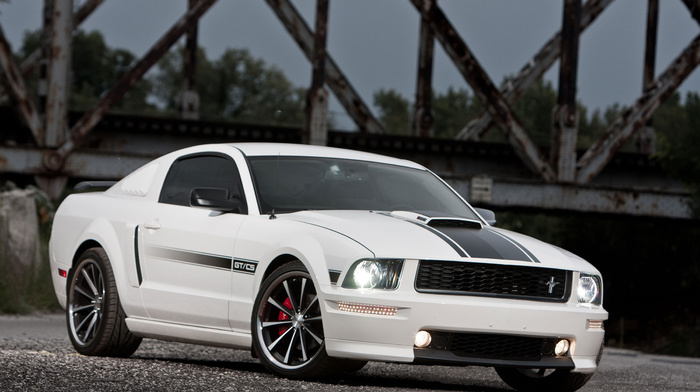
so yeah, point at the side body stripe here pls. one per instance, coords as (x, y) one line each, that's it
(226, 263)
(185, 256)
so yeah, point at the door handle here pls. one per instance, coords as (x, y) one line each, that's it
(153, 224)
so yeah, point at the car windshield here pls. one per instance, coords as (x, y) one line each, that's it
(288, 184)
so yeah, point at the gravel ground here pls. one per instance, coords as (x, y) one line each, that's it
(36, 355)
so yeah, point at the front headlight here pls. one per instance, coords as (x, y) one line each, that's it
(374, 274)
(590, 289)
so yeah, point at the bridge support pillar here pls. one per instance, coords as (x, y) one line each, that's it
(645, 139)
(316, 131)
(423, 114)
(189, 98)
(58, 30)
(565, 115)
(58, 72)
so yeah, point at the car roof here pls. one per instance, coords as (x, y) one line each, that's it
(305, 150)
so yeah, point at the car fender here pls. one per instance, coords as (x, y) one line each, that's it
(319, 249)
(101, 231)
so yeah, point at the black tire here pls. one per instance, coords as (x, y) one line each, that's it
(287, 327)
(94, 314)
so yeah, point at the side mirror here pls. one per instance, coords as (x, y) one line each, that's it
(214, 199)
(488, 215)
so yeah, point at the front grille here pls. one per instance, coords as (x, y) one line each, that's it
(522, 282)
(506, 347)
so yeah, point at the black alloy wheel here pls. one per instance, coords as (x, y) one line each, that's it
(95, 318)
(287, 327)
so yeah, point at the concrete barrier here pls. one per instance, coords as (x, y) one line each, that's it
(20, 249)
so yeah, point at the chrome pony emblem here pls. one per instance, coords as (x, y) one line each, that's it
(551, 284)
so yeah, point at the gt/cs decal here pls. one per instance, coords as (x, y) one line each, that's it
(244, 266)
(203, 259)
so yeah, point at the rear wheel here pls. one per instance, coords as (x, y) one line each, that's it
(287, 326)
(94, 314)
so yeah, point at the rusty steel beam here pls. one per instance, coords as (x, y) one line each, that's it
(531, 71)
(13, 78)
(570, 197)
(45, 48)
(694, 8)
(320, 39)
(645, 138)
(58, 73)
(189, 98)
(334, 77)
(423, 112)
(80, 164)
(84, 11)
(32, 61)
(595, 159)
(630, 185)
(316, 127)
(568, 69)
(484, 88)
(565, 115)
(54, 160)
(650, 46)
(54, 84)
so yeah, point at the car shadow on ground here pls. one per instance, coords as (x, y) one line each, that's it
(418, 378)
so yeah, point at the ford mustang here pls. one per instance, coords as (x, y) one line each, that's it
(318, 260)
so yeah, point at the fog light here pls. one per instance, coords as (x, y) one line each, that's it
(562, 347)
(423, 339)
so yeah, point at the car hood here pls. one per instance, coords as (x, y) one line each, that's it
(408, 235)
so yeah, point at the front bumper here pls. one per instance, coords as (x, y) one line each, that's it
(391, 337)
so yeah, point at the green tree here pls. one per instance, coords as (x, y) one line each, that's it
(453, 110)
(534, 110)
(95, 68)
(590, 129)
(236, 86)
(393, 111)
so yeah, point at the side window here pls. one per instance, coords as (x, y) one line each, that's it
(200, 171)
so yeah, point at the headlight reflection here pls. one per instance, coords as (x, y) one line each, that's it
(589, 289)
(374, 274)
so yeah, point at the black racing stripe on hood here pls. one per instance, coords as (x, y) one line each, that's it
(485, 244)
(524, 249)
(445, 238)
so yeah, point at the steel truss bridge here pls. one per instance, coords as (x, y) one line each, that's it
(43, 139)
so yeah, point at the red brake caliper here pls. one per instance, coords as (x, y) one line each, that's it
(283, 316)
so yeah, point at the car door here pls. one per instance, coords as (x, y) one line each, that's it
(187, 252)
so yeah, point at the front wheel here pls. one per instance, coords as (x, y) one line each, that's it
(543, 379)
(94, 315)
(287, 326)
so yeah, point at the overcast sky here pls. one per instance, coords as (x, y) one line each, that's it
(375, 42)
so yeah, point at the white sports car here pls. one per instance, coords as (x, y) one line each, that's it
(317, 260)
